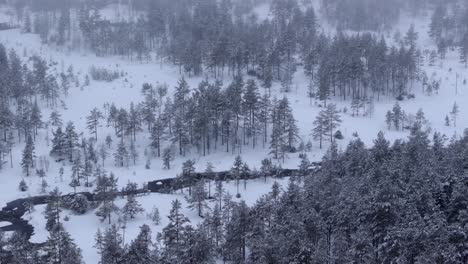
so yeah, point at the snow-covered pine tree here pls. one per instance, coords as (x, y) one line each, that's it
(61, 248)
(454, 113)
(168, 157)
(27, 162)
(131, 208)
(59, 145)
(140, 249)
(121, 155)
(320, 127)
(155, 216)
(71, 140)
(79, 204)
(53, 210)
(174, 235)
(93, 121)
(109, 245)
(236, 170)
(188, 168)
(133, 155)
(197, 199)
(332, 119)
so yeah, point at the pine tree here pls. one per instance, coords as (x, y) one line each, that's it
(188, 168)
(157, 135)
(61, 248)
(209, 171)
(267, 168)
(134, 121)
(332, 119)
(454, 113)
(133, 152)
(44, 185)
(180, 114)
(103, 154)
(79, 204)
(139, 250)
(121, 155)
(168, 157)
(71, 140)
(93, 121)
(397, 115)
(132, 208)
(77, 168)
(236, 230)
(411, 36)
(109, 246)
(56, 119)
(23, 186)
(53, 210)
(284, 134)
(105, 211)
(389, 119)
(355, 106)
(59, 144)
(197, 199)
(35, 119)
(236, 170)
(27, 163)
(64, 83)
(251, 105)
(304, 165)
(154, 216)
(106, 189)
(320, 127)
(173, 234)
(75, 182)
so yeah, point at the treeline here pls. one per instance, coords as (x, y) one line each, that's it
(375, 15)
(207, 38)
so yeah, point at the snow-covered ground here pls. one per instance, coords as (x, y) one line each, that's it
(127, 89)
(84, 227)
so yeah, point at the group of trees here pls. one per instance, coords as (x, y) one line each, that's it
(207, 119)
(25, 87)
(362, 66)
(365, 205)
(449, 28)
